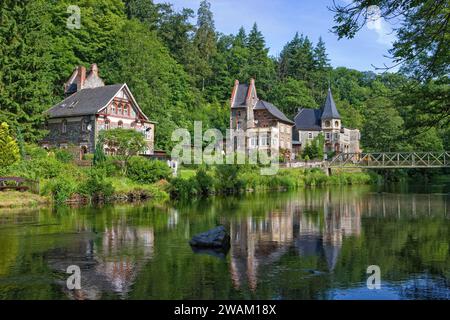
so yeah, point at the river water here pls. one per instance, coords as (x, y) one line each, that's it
(304, 244)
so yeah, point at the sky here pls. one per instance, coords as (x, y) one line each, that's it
(279, 20)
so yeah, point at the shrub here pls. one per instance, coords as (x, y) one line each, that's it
(63, 155)
(60, 188)
(227, 178)
(183, 188)
(147, 171)
(205, 182)
(96, 184)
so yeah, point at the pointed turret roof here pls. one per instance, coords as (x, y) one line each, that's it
(329, 109)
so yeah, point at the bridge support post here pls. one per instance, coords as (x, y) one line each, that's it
(327, 171)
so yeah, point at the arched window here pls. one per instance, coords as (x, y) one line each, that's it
(120, 124)
(64, 126)
(336, 123)
(327, 123)
(125, 110)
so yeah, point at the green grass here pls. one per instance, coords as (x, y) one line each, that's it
(123, 185)
(186, 173)
(16, 199)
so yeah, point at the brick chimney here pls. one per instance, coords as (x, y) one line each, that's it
(81, 77)
(94, 69)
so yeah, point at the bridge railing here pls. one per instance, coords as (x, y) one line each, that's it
(392, 160)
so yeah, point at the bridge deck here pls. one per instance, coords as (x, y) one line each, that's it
(391, 160)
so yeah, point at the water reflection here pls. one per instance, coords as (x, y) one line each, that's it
(310, 244)
(314, 227)
(109, 262)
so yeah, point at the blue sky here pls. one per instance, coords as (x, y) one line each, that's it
(280, 19)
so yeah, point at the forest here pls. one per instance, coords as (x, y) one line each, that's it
(181, 69)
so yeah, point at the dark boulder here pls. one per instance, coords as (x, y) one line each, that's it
(214, 238)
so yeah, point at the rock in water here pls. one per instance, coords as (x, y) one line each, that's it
(214, 238)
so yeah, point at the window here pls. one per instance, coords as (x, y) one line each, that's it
(336, 136)
(238, 113)
(147, 131)
(119, 109)
(327, 136)
(254, 141)
(264, 141)
(84, 125)
(113, 108)
(120, 124)
(107, 124)
(327, 123)
(64, 126)
(125, 110)
(310, 135)
(274, 141)
(238, 125)
(336, 123)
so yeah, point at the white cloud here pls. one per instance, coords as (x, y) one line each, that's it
(380, 26)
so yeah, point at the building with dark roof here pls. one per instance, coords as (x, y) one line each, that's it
(309, 123)
(91, 106)
(262, 123)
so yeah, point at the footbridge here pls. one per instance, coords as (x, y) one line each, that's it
(390, 160)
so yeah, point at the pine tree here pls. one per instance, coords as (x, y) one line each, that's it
(205, 41)
(259, 65)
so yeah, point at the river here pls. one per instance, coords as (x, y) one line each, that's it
(304, 244)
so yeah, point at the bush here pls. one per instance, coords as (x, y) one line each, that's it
(205, 182)
(227, 178)
(96, 185)
(184, 188)
(147, 171)
(63, 155)
(61, 188)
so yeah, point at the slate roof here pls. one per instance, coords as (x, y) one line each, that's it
(329, 109)
(308, 119)
(261, 105)
(240, 96)
(85, 102)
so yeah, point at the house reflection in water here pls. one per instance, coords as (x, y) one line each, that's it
(123, 251)
(109, 265)
(307, 226)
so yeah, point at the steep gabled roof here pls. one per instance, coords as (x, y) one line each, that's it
(240, 96)
(261, 105)
(329, 108)
(308, 119)
(89, 101)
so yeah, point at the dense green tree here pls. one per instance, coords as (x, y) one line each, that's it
(290, 95)
(383, 127)
(259, 66)
(9, 150)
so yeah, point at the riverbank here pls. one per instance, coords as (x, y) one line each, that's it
(229, 179)
(16, 199)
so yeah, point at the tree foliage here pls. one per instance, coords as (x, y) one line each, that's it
(9, 150)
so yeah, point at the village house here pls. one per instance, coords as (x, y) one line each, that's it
(309, 123)
(91, 106)
(263, 124)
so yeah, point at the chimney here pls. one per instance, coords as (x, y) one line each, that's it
(81, 77)
(94, 69)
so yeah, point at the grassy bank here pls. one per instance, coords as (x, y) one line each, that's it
(134, 179)
(15, 199)
(228, 179)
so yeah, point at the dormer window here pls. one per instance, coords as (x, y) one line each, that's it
(327, 123)
(336, 123)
